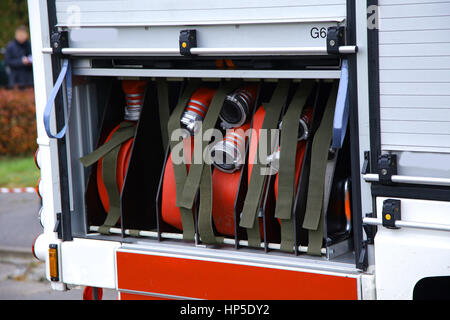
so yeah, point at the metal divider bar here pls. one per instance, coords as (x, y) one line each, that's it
(179, 236)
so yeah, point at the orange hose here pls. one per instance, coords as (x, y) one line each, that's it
(258, 120)
(169, 211)
(301, 148)
(225, 188)
(200, 101)
(123, 159)
(134, 94)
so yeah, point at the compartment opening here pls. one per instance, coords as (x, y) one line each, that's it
(141, 196)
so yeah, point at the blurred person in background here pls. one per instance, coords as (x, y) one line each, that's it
(19, 60)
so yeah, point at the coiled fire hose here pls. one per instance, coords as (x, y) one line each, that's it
(235, 108)
(303, 135)
(171, 214)
(272, 111)
(194, 108)
(230, 155)
(291, 158)
(314, 214)
(179, 213)
(225, 180)
(113, 156)
(199, 175)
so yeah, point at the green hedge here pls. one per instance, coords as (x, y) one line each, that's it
(13, 13)
(17, 122)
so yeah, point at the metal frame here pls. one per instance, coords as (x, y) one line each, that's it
(179, 236)
(276, 74)
(65, 217)
(190, 73)
(361, 257)
(374, 92)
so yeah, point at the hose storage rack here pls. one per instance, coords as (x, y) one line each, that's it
(98, 72)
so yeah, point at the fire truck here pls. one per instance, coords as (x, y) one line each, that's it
(244, 149)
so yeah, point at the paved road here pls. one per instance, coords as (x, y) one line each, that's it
(21, 276)
(19, 223)
(25, 280)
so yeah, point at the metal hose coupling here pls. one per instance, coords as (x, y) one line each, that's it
(134, 96)
(238, 106)
(305, 124)
(228, 155)
(196, 109)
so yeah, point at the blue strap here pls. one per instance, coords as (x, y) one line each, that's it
(342, 109)
(66, 73)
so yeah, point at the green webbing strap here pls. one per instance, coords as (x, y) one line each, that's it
(205, 222)
(110, 151)
(200, 174)
(134, 233)
(125, 132)
(174, 124)
(287, 235)
(195, 172)
(164, 111)
(187, 219)
(249, 218)
(286, 172)
(315, 238)
(109, 169)
(313, 220)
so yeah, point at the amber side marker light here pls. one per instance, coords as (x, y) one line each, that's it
(53, 262)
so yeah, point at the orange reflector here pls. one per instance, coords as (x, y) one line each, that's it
(53, 262)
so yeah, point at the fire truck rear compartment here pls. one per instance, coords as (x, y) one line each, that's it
(262, 43)
(98, 108)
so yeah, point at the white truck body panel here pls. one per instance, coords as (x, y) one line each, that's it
(185, 12)
(404, 256)
(262, 35)
(89, 262)
(414, 49)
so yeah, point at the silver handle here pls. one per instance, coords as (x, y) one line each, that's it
(409, 224)
(371, 177)
(202, 51)
(116, 51)
(271, 51)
